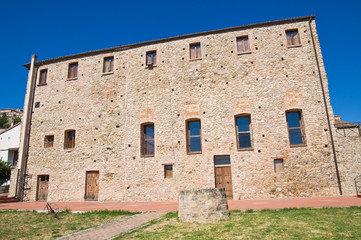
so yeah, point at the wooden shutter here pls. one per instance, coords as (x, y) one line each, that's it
(198, 47)
(193, 51)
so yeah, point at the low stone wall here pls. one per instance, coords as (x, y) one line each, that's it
(203, 205)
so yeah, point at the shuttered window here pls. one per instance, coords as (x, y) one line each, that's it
(69, 139)
(195, 51)
(243, 44)
(43, 76)
(73, 70)
(243, 131)
(168, 171)
(151, 58)
(278, 165)
(49, 141)
(295, 128)
(108, 65)
(293, 38)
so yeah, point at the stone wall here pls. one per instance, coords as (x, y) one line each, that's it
(107, 111)
(203, 205)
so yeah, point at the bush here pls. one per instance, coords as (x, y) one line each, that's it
(4, 170)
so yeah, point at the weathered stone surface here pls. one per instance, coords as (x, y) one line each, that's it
(203, 205)
(107, 111)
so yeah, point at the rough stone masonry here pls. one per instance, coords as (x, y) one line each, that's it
(107, 111)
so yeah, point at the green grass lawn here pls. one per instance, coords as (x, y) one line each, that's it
(33, 225)
(304, 223)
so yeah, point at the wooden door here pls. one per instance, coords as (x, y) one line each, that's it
(92, 186)
(224, 180)
(43, 183)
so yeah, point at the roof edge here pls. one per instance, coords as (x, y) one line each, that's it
(140, 44)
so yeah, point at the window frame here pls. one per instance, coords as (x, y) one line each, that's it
(46, 141)
(196, 52)
(69, 143)
(250, 131)
(111, 66)
(43, 81)
(301, 127)
(292, 30)
(171, 170)
(243, 46)
(144, 140)
(188, 136)
(154, 58)
(72, 75)
(275, 169)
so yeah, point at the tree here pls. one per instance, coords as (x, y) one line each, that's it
(4, 171)
(4, 121)
(17, 119)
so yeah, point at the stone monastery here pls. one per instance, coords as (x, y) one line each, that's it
(243, 108)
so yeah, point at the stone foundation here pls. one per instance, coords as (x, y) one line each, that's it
(203, 205)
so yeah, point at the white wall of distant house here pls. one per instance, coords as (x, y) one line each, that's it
(9, 142)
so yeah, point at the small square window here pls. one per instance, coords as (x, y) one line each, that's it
(108, 65)
(69, 139)
(49, 141)
(151, 59)
(243, 44)
(43, 76)
(168, 171)
(293, 38)
(73, 70)
(278, 165)
(195, 51)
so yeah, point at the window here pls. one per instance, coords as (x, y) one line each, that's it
(194, 144)
(293, 38)
(43, 76)
(69, 139)
(243, 44)
(148, 139)
(108, 65)
(295, 127)
(151, 58)
(73, 70)
(243, 132)
(49, 141)
(278, 165)
(195, 51)
(168, 171)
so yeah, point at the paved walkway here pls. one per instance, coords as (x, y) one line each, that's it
(256, 204)
(112, 229)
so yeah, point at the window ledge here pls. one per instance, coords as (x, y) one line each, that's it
(69, 149)
(71, 79)
(42, 84)
(245, 149)
(292, 46)
(146, 156)
(150, 66)
(193, 153)
(195, 59)
(241, 53)
(298, 145)
(107, 73)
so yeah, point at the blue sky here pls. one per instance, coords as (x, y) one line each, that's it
(56, 28)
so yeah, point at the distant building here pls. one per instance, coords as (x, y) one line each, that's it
(11, 114)
(9, 144)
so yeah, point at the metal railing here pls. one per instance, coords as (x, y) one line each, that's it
(358, 185)
(348, 128)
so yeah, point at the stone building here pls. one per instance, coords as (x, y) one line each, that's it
(245, 108)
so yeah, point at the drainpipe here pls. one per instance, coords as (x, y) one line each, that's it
(326, 109)
(25, 133)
